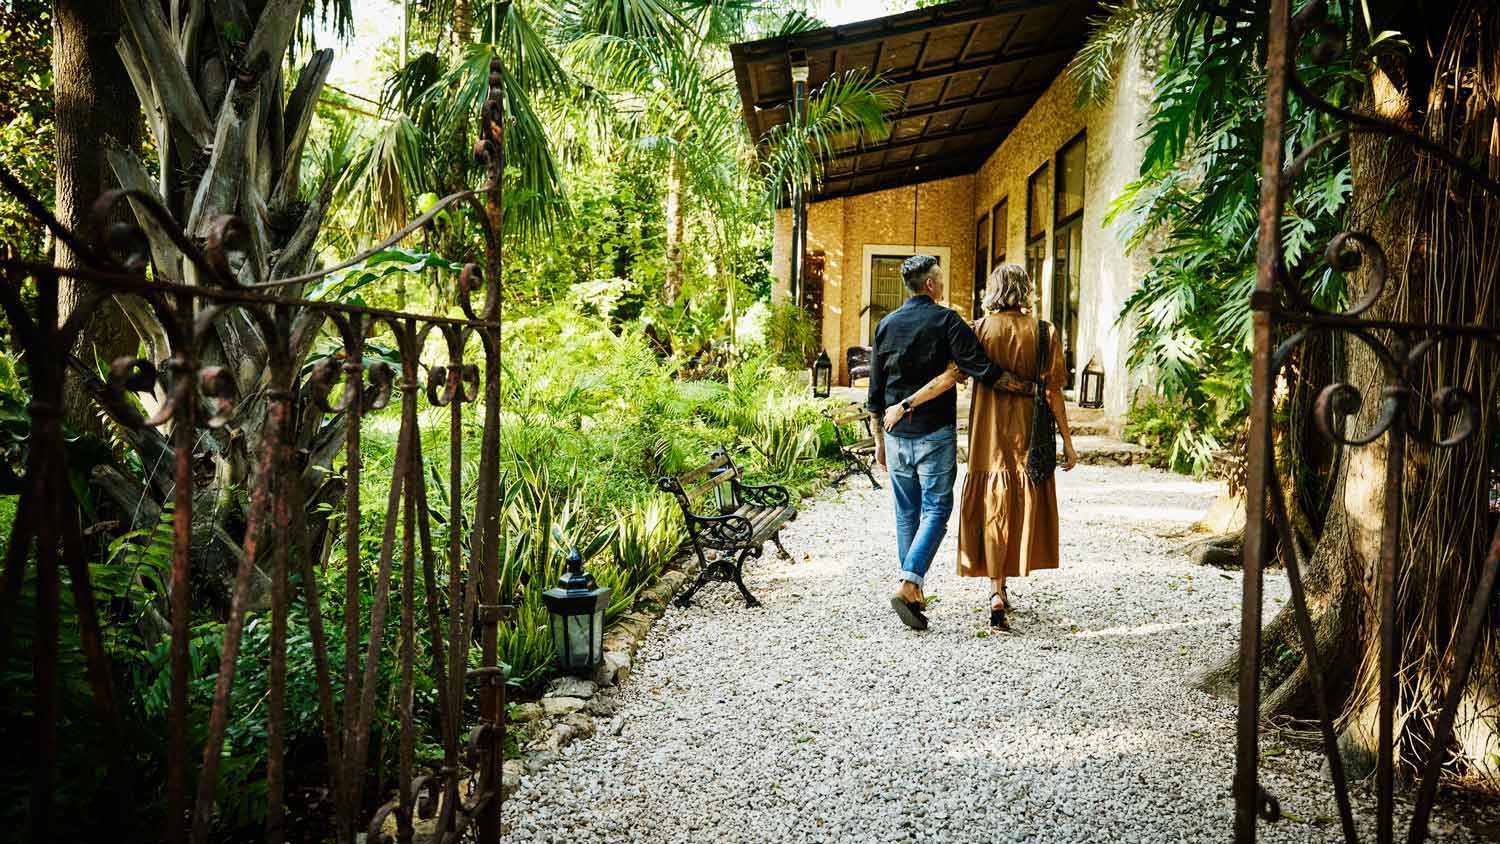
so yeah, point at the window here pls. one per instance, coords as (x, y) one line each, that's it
(1036, 224)
(1067, 249)
(981, 260)
(886, 292)
(1001, 218)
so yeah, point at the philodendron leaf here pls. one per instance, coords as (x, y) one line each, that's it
(387, 262)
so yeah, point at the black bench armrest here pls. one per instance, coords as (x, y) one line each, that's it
(763, 495)
(725, 533)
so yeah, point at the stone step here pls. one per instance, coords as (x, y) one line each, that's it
(1108, 451)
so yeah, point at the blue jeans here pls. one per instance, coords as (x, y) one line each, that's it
(922, 471)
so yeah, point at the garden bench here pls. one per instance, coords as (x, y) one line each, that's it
(857, 454)
(735, 523)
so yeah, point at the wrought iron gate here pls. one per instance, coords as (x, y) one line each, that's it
(460, 796)
(1283, 319)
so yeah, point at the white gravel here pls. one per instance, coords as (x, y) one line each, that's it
(819, 717)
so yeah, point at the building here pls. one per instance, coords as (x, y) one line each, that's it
(989, 160)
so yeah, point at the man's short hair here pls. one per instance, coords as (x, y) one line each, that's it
(915, 270)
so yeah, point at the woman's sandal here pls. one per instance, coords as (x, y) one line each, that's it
(997, 614)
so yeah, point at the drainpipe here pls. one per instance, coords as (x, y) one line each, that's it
(798, 61)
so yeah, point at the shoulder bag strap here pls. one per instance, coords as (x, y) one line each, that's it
(1043, 356)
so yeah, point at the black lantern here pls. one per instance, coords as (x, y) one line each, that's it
(724, 497)
(577, 607)
(822, 376)
(1091, 388)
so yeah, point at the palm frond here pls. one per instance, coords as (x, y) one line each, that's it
(644, 20)
(847, 107)
(531, 69)
(384, 177)
(1119, 27)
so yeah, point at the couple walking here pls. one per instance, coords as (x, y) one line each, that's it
(1008, 512)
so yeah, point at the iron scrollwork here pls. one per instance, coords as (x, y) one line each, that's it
(723, 533)
(763, 495)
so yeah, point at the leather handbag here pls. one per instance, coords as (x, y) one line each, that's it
(1041, 452)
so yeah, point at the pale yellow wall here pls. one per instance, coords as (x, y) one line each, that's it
(843, 227)
(1112, 129)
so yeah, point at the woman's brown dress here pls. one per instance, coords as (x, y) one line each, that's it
(1007, 525)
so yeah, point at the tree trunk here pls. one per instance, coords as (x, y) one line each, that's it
(94, 101)
(676, 229)
(463, 25)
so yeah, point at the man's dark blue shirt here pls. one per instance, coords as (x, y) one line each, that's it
(913, 345)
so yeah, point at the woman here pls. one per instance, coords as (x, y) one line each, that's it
(1007, 524)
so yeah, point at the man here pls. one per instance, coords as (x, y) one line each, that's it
(913, 345)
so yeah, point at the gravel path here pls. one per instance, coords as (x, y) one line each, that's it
(818, 717)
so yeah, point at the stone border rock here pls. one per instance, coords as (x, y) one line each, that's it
(568, 710)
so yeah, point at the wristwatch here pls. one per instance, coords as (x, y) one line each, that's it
(906, 405)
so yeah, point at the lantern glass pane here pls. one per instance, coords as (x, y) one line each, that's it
(596, 643)
(724, 495)
(559, 639)
(578, 642)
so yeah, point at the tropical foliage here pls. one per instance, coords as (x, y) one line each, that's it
(1428, 68)
(639, 334)
(1197, 198)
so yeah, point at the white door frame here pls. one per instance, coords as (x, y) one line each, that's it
(944, 255)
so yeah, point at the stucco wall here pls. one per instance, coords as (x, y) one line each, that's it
(1113, 156)
(843, 227)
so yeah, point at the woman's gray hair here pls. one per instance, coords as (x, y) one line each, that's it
(1008, 287)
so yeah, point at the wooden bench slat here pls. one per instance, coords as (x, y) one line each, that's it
(722, 553)
(764, 517)
(772, 524)
(701, 471)
(851, 417)
(865, 444)
(713, 481)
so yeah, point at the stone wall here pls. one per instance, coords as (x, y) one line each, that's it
(842, 228)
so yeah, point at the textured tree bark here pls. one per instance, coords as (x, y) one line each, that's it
(95, 101)
(676, 231)
(463, 25)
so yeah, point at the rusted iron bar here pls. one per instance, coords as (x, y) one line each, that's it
(486, 550)
(178, 805)
(1303, 618)
(1390, 643)
(1473, 628)
(1247, 791)
(280, 415)
(126, 283)
(256, 536)
(350, 767)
